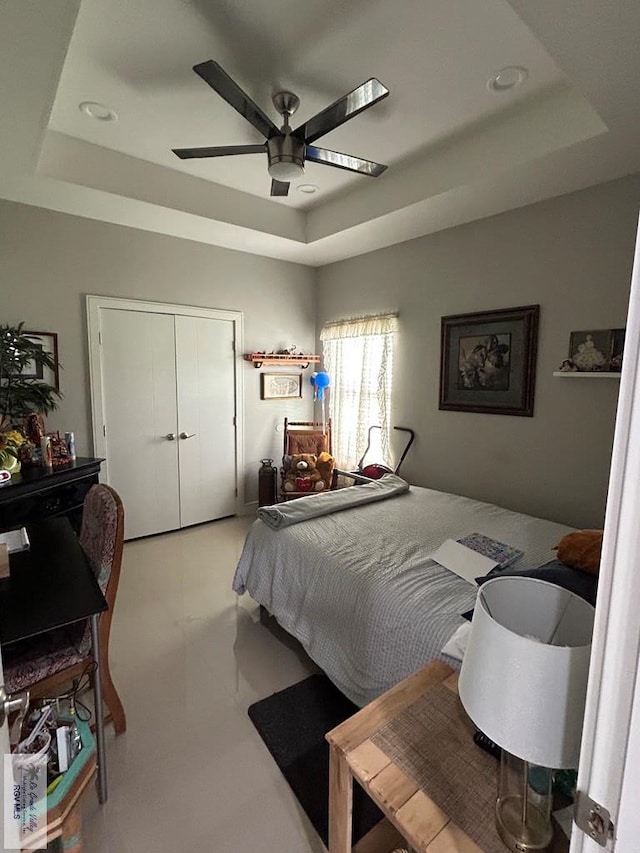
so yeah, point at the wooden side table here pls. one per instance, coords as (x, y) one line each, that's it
(354, 755)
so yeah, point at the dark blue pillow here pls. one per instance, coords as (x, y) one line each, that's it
(580, 583)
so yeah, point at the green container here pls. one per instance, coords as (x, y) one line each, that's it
(86, 754)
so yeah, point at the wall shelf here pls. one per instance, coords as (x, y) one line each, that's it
(581, 374)
(259, 359)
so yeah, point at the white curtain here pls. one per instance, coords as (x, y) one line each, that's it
(358, 356)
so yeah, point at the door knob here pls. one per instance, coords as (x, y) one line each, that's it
(9, 704)
(170, 436)
(187, 434)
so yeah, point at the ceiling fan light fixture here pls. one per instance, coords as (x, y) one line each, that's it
(286, 157)
(285, 169)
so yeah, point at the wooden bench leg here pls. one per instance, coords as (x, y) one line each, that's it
(71, 838)
(340, 802)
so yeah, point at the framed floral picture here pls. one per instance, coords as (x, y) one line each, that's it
(488, 361)
(280, 386)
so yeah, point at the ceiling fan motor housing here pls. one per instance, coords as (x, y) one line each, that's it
(286, 103)
(286, 157)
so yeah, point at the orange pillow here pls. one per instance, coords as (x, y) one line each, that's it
(581, 550)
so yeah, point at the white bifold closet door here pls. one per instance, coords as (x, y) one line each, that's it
(206, 413)
(168, 399)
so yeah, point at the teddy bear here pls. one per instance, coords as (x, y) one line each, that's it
(301, 474)
(581, 550)
(325, 465)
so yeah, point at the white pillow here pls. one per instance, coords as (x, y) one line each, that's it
(456, 646)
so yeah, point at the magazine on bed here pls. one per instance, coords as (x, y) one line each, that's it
(503, 555)
(474, 555)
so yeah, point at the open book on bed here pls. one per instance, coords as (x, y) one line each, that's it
(474, 555)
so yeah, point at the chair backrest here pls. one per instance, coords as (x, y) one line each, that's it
(306, 437)
(102, 536)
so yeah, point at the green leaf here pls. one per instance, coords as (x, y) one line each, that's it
(20, 395)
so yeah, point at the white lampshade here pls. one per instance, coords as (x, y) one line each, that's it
(524, 676)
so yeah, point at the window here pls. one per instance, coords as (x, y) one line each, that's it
(358, 356)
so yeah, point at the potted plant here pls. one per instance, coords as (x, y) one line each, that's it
(20, 395)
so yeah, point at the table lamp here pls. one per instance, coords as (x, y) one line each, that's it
(523, 682)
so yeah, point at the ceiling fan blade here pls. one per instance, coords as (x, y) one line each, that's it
(228, 89)
(218, 151)
(342, 110)
(343, 161)
(280, 188)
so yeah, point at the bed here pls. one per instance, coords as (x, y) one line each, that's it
(359, 591)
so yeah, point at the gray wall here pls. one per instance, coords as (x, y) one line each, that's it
(572, 255)
(50, 261)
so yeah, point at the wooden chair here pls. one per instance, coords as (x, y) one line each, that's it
(304, 437)
(49, 661)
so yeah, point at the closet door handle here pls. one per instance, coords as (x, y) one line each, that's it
(170, 436)
(187, 435)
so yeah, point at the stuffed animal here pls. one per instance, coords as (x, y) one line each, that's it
(581, 550)
(301, 473)
(325, 465)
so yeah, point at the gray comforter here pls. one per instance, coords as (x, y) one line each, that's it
(358, 588)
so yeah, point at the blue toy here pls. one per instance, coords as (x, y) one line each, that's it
(320, 380)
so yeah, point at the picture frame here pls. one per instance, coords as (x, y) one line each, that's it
(280, 386)
(488, 361)
(590, 350)
(48, 341)
(617, 350)
(596, 350)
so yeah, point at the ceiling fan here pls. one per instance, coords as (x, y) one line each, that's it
(287, 149)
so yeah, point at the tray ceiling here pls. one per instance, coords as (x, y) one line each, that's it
(455, 149)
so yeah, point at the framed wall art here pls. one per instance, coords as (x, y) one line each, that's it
(617, 349)
(590, 350)
(48, 342)
(280, 386)
(488, 361)
(595, 350)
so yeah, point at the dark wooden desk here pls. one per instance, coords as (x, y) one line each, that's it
(51, 585)
(39, 492)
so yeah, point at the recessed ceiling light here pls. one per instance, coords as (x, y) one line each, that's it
(507, 78)
(99, 111)
(307, 188)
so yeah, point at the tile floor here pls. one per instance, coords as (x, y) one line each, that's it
(188, 658)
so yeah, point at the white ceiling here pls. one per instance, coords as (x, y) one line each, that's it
(427, 53)
(455, 150)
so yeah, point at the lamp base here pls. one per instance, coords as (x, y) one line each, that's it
(535, 835)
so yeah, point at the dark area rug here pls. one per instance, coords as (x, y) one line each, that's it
(292, 724)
